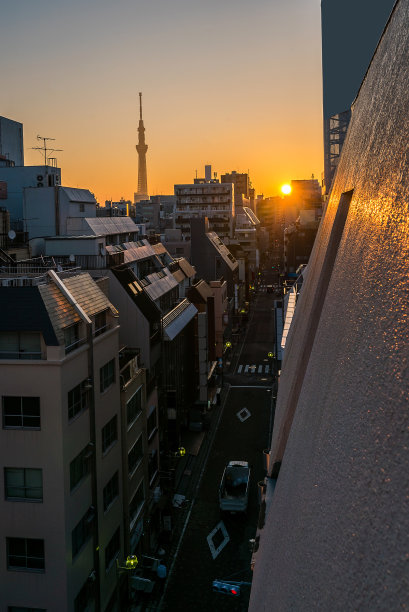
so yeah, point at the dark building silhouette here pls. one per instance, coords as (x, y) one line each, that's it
(350, 33)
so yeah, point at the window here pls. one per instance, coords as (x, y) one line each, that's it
(78, 399)
(25, 554)
(24, 484)
(100, 323)
(112, 549)
(111, 491)
(80, 467)
(84, 597)
(71, 337)
(20, 345)
(109, 434)
(82, 207)
(107, 375)
(152, 424)
(136, 504)
(82, 531)
(135, 455)
(21, 412)
(134, 407)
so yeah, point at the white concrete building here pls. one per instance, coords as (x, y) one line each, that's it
(60, 446)
(205, 198)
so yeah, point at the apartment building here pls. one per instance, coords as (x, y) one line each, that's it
(73, 443)
(60, 445)
(149, 289)
(205, 198)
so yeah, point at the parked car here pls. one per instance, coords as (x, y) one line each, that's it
(234, 487)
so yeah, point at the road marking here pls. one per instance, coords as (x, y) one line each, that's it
(216, 551)
(240, 369)
(243, 414)
(266, 369)
(253, 368)
(246, 369)
(260, 369)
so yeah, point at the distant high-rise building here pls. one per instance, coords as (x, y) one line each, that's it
(241, 184)
(11, 141)
(205, 198)
(350, 33)
(141, 147)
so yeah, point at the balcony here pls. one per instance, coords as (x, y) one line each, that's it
(129, 364)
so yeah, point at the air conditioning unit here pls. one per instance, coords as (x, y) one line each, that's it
(40, 178)
(142, 584)
(87, 384)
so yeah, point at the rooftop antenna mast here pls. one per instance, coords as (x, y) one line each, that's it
(45, 149)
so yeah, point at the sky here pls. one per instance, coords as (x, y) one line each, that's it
(235, 84)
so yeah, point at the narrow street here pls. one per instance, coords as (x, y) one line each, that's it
(189, 586)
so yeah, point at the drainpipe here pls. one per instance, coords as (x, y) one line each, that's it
(94, 492)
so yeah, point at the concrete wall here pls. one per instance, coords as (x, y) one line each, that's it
(17, 180)
(46, 520)
(336, 532)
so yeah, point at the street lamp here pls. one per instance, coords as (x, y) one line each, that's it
(131, 564)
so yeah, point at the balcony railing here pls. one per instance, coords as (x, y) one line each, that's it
(20, 355)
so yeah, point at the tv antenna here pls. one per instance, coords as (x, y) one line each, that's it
(45, 150)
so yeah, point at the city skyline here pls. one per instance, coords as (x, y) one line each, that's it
(239, 88)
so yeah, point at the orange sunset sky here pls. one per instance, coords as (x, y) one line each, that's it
(233, 84)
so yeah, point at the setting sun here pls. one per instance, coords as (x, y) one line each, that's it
(286, 189)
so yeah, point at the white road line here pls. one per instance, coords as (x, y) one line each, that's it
(260, 369)
(240, 369)
(267, 369)
(253, 368)
(246, 369)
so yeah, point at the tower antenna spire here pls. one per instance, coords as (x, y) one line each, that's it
(141, 147)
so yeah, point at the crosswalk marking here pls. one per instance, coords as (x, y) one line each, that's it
(253, 369)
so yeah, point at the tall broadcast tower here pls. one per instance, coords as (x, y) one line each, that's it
(141, 147)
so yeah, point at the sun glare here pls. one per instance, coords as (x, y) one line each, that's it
(286, 189)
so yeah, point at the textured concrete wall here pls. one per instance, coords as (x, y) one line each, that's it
(337, 531)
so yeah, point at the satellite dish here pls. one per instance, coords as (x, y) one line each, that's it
(59, 268)
(12, 234)
(72, 258)
(103, 251)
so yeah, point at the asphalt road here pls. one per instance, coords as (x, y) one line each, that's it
(189, 587)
